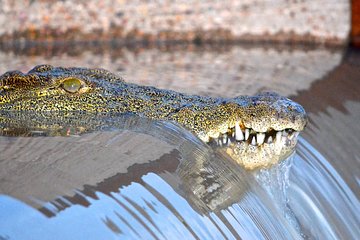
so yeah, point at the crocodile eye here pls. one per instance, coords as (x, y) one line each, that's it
(71, 85)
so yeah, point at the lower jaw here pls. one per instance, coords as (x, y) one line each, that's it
(254, 157)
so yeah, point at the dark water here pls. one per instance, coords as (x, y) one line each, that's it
(154, 180)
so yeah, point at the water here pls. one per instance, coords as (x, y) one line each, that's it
(206, 197)
(331, 200)
(154, 180)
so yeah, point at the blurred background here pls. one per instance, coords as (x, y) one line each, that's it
(307, 50)
(124, 21)
(251, 45)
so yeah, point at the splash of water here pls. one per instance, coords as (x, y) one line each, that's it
(276, 181)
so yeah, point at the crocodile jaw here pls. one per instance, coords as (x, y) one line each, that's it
(258, 150)
(260, 130)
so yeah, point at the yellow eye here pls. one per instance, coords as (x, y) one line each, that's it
(71, 85)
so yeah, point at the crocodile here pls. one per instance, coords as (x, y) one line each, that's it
(256, 131)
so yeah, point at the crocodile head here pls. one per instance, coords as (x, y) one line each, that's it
(255, 131)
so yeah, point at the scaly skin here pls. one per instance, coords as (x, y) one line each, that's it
(70, 90)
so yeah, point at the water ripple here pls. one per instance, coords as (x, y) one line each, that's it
(303, 197)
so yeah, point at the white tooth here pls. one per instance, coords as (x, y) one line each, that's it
(260, 138)
(229, 141)
(284, 133)
(278, 137)
(247, 133)
(224, 139)
(253, 141)
(279, 147)
(270, 139)
(239, 136)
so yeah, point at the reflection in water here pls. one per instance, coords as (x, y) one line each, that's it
(139, 209)
(153, 180)
(207, 197)
(333, 106)
(215, 70)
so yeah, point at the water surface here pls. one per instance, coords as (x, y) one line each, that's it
(154, 180)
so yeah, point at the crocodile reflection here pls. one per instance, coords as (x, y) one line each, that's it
(205, 176)
(212, 183)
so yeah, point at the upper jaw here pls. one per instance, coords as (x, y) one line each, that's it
(239, 132)
(258, 119)
(263, 128)
(267, 111)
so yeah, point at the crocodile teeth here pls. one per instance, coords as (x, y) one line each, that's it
(239, 136)
(260, 137)
(279, 145)
(278, 137)
(253, 141)
(252, 137)
(247, 133)
(225, 138)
